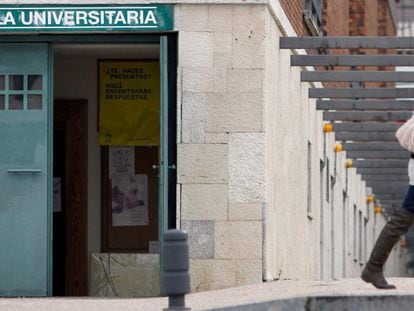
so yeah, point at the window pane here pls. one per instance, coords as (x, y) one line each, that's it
(16, 102)
(16, 82)
(34, 102)
(2, 80)
(35, 82)
(2, 105)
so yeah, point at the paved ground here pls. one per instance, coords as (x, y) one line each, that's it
(217, 299)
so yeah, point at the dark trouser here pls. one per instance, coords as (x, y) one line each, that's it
(398, 225)
(408, 202)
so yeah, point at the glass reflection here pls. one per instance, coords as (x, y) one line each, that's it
(16, 102)
(34, 82)
(34, 102)
(16, 82)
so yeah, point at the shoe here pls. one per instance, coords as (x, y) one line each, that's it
(376, 278)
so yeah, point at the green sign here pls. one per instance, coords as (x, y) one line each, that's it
(86, 18)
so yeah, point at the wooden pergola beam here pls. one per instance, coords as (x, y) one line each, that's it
(365, 136)
(357, 76)
(352, 60)
(382, 170)
(347, 42)
(388, 178)
(373, 146)
(366, 127)
(365, 104)
(381, 164)
(390, 155)
(391, 93)
(374, 116)
(387, 196)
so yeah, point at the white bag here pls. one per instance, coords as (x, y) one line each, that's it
(405, 134)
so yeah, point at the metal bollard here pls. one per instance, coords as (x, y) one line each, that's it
(175, 268)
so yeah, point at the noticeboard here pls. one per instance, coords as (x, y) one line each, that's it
(129, 103)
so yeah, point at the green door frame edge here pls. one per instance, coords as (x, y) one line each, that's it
(163, 165)
(50, 173)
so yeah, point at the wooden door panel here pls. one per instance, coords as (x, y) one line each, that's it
(72, 114)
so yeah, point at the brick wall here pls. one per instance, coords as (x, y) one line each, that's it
(345, 17)
(335, 18)
(335, 23)
(357, 17)
(371, 18)
(363, 17)
(363, 21)
(293, 10)
(385, 28)
(385, 24)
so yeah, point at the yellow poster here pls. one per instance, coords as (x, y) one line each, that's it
(129, 103)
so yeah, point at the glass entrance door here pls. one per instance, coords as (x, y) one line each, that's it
(24, 170)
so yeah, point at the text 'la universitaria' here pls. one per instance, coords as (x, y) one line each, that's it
(85, 18)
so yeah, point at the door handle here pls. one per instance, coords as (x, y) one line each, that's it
(156, 167)
(24, 170)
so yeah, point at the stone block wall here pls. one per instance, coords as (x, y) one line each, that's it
(221, 151)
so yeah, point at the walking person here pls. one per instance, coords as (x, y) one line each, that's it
(398, 225)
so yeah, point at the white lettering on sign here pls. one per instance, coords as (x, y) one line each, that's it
(93, 18)
(7, 19)
(82, 17)
(132, 17)
(67, 17)
(150, 18)
(57, 19)
(119, 18)
(109, 15)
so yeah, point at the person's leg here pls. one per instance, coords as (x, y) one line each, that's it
(400, 222)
